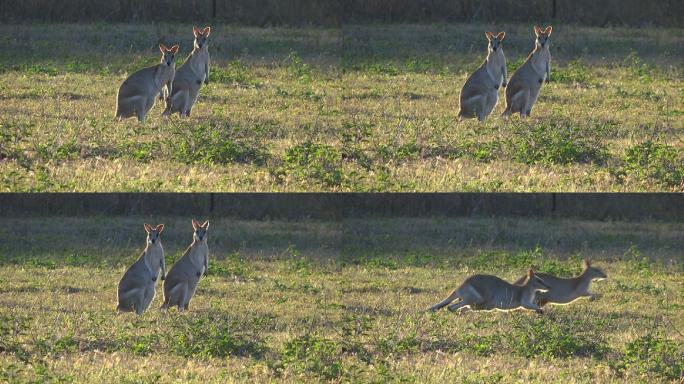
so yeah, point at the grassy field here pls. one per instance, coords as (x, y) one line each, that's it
(361, 108)
(342, 301)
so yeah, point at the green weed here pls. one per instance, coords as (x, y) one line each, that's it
(556, 143)
(213, 337)
(313, 354)
(310, 161)
(553, 339)
(652, 356)
(211, 144)
(649, 160)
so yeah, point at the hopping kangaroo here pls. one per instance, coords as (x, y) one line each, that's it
(480, 92)
(137, 93)
(190, 76)
(490, 292)
(181, 282)
(523, 88)
(565, 291)
(137, 286)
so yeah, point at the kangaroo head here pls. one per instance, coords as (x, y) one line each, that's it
(592, 272)
(168, 54)
(542, 36)
(536, 282)
(201, 36)
(200, 233)
(154, 233)
(495, 40)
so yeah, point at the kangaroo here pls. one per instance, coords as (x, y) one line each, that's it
(190, 76)
(136, 288)
(480, 92)
(181, 282)
(137, 93)
(565, 291)
(490, 292)
(523, 88)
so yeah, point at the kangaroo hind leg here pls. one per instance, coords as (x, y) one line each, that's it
(148, 297)
(445, 302)
(469, 296)
(127, 299)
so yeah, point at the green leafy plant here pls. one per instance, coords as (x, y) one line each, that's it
(315, 162)
(652, 355)
(654, 161)
(558, 142)
(313, 354)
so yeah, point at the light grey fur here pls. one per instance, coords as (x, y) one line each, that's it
(136, 288)
(190, 76)
(138, 92)
(182, 280)
(480, 93)
(523, 88)
(565, 291)
(486, 292)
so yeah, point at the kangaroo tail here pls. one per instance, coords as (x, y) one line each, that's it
(445, 302)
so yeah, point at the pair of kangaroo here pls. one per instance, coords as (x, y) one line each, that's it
(532, 291)
(480, 93)
(179, 89)
(137, 286)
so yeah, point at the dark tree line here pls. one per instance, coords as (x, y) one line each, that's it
(339, 12)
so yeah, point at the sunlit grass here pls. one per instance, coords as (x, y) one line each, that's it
(322, 301)
(365, 108)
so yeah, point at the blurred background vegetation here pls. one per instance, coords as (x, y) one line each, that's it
(338, 12)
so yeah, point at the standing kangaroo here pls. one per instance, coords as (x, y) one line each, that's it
(190, 76)
(137, 286)
(137, 93)
(181, 282)
(480, 92)
(525, 84)
(565, 291)
(490, 292)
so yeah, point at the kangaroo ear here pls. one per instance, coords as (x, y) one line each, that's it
(148, 228)
(206, 225)
(501, 36)
(586, 263)
(174, 49)
(195, 224)
(196, 31)
(207, 31)
(537, 30)
(163, 48)
(489, 35)
(548, 30)
(160, 228)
